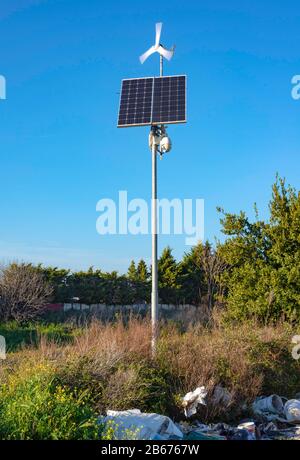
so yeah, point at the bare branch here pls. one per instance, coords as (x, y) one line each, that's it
(24, 293)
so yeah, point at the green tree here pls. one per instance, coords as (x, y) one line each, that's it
(131, 284)
(168, 278)
(264, 259)
(132, 272)
(142, 285)
(59, 280)
(192, 277)
(87, 286)
(142, 271)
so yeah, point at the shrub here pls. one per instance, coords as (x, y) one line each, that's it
(112, 431)
(246, 359)
(32, 407)
(24, 292)
(18, 336)
(264, 260)
(113, 362)
(143, 386)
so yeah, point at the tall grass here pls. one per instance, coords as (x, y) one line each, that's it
(109, 366)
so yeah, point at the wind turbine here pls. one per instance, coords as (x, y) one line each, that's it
(158, 47)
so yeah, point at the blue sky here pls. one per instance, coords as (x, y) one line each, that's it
(61, 151)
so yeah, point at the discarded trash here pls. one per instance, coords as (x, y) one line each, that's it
(202, 426)
(250, 428)
(292, 411)
(192, 399)
(199, 436)
(281, 434)
(144, 426)
(272, 404)
(221, 396)
(242, 435)
(276, 419)
(270, 427)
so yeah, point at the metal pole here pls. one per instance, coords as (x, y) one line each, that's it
(154, 294)
(161, 65)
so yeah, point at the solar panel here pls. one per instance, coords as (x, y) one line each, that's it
(152, 101)
(169, 100)
(136, 102)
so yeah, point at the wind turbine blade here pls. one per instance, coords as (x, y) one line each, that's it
(168, 54)
(158, 27)
(144, 56)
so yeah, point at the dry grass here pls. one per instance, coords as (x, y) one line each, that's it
(212, 358)
(113, 362)
(116, 341)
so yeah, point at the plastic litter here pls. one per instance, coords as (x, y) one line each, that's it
(202, 426)
(270, 427)
(199, 436)
(192, 399)
(250, 428)
(243, 435)
(143, 426)
(272, 404)
(221, 396)
(281, 434)
(276, 418)
(292, 411)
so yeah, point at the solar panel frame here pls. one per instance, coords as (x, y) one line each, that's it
(130, 114)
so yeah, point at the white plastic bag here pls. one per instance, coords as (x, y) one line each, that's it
(292, 410)
(134, 424)
(221, 396)
(272, 404)
(192, 399)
